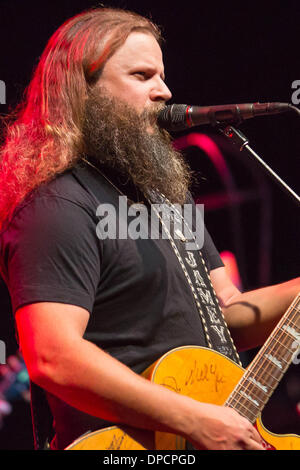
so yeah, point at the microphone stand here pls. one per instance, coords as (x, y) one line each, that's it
(237, 138)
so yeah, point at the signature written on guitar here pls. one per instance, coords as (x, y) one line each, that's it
(200, 372)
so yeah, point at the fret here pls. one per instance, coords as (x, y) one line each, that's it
(239, 404)
(293, 323)
(246, 395)
(266, 360)
(244, 410)
(250, 396)
(250, 399)
(287, 333)
(291, 332)
(265, 372)
(267, 369)
(255, 390)
(281, 357)
(285, 342)
(280, 354)
(274, 361)
(261, 386)
(286, 338)
(296, 309)
(285, 345)
(283, 339)
(271, 380)
(238, 407)
(273, 352)
(240, 411)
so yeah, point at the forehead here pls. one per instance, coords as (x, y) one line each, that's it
(137, 48)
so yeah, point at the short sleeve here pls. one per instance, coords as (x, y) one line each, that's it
(210, 253)
(50, 253)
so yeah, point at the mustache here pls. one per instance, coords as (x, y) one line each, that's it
(151, 114)
(118, 137)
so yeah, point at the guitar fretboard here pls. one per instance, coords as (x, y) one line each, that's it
(267, 369)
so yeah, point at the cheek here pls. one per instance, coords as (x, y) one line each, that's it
(128, 91)
(133, 97)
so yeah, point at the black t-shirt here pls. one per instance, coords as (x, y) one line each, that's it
(139, 301)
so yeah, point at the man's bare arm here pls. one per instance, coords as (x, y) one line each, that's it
(61, 361)
(251, 316)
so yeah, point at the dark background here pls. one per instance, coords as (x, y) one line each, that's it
(215, 53)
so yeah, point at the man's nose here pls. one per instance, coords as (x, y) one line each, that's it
(160, 92)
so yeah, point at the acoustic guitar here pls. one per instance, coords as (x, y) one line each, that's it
(210, 377)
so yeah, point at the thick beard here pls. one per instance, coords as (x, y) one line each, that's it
(116, 136)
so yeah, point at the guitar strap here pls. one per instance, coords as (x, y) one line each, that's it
(215, 329)
(192, 262)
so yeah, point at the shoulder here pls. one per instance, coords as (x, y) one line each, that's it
(63, 197)
(65, 190)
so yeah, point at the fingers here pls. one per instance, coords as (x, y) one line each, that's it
(250, 439)
(254, 441)
(255, 435)
(253, 445)
(225, 429)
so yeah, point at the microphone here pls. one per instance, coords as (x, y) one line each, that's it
(178, 117)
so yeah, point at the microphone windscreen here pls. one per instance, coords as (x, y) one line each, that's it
(173, 117)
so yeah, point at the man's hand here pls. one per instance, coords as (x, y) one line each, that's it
(81, 374)
(223, 428)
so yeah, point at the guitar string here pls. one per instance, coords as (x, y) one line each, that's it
(261, 394)
(250, 386)
(243, 410)
(271, 350)
(238, 405)
(285, 318)
(289, 338)
(247, 401)
(258, 358)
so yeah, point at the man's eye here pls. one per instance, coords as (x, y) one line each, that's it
(141, 74)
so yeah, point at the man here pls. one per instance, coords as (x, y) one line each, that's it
(93, 313)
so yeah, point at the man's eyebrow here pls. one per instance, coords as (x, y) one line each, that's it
(149, 68)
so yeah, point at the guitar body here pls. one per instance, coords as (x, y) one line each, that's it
(196, 372)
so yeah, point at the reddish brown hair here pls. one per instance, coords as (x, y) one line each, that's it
(45, 137)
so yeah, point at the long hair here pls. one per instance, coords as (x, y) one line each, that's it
(45, 136)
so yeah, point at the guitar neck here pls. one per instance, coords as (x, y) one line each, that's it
(267, 369)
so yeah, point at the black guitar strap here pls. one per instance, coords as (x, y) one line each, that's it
(192, 262)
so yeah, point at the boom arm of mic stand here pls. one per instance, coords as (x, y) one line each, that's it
(237, 138)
